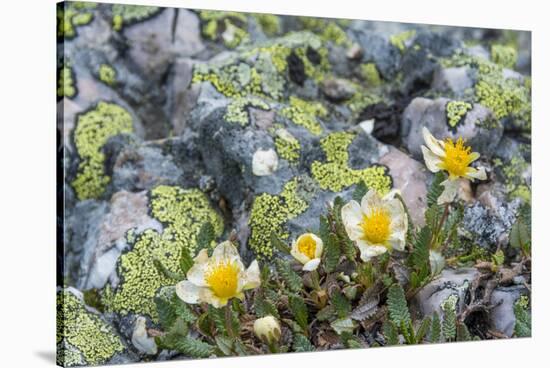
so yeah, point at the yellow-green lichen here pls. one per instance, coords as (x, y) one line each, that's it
(124, 14)
(399, 40)
(456, 111)
(506, 56)
(229, 26)
(107, 74)
(513, 173)
(305, 114)
(287, 146)
(360, 100)
(336, 175)
(328, 30)
(93, 129)
(270, 213)
(66, 84)
(81, 331)
(370, 74)
(71, 15)
(182, 212)
(237, 110)
(271, 24)
(234, 80)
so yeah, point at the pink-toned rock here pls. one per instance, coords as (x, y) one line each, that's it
(409, 177)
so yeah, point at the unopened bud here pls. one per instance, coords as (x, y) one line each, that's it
(267, 329)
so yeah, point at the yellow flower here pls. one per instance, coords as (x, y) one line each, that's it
(218, 279)
(377, 225)
(454, 158)
(308, 249)
(267, 329)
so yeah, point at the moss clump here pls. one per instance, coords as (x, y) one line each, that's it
(370, 74)
(93, 129)
(182, 212)
(107, 74)
(124, 15)
(456, 112)
(237, 109)
(506, 56)
(271, 24)
(86, 339)
(287, 146)
(335, 174)
(229, 26)
(66, 84)
(399, 40)
(271, 212)
(305, 114)
(71, 15)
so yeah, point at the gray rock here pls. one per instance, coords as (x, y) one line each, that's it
(453, 80)
(501, 317)
(477, 128)
(450, 282)
(377, 48)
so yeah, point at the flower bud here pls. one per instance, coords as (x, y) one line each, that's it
(267, 329)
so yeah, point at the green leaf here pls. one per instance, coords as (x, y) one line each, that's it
(206, 236)
(166, 312)
(342, 305)
(277, 243)
(332, 253)
(522, 327)
(194, 348)
(498, 257)
(360, 190)
(435, 329)
(161, 268)
(225, 344)
(324, 228)
(462, 333)
(293, 281)
(343, 325)
(328, 312)
(397, 305)
(301, 344)
(449, 317)
(264, 307)
(348, 248)
(390, 333)
(420, 256)
(217, 316)
(519, 234)
(351, 341)
(436, 189)
(186, 261)
(299, 310)
(422, 330)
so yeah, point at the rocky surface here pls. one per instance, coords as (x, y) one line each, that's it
(171, 118)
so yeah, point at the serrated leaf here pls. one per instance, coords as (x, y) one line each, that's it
(462, 333)
(422, 330)
(324, 228)
(206, 236)
(436, 189)
(166, 313)
(448, 326)
(519, 234)
(522, 327)
(263, 307)
(343, 325)
(360, 190)
(301, 344)
(328, 312)
(341, 304)
(183, 311)
(293, 281)
(194, 348)
(420, 256)
(332, 253)
(225, 344)
(186, 261)
(277, 243)
(435, 329)
(217, 316)
(366, 308)
(391, 334)
(397, 305)
(299, 310)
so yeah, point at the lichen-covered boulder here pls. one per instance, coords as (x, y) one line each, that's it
(501, 316)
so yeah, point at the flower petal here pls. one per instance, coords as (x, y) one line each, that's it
(352, 217)
(479, 173)
(473, 156)
(398, 242)
(450, 191)
(370, 251)
(436, 146)
(208, 296)
(312, 265)
(318, 245)
(252, 276)
(432, 161)
(371, 200)
(225, 251)
(197, 274)
(188, 292)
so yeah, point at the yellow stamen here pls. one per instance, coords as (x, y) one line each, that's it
(223, 279)
(457, 158)
(376, 226)
(307, 246)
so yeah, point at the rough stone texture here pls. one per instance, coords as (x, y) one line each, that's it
(502, 316)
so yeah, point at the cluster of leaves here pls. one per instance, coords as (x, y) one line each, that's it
(344, 303)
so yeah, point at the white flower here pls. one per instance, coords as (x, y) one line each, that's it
(264, 162)
(377, 225)
(453, 157)
(217, 279)
(267, 329)
(140, 338)
(308, 249)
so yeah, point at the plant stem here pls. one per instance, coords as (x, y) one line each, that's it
(315, 279)
(229, 320)
(440, 225)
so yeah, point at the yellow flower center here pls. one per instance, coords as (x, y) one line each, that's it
(223, 279)
(376, 226)
(457, 157)
(307, 246)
